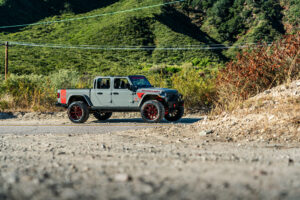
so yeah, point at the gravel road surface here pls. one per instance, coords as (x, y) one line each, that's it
(127, 159)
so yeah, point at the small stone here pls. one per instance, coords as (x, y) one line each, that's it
(85, 169)
(263, 172)
(267, 92)
(122, 177)
(204, 133)
(226, 185)
(291, 161)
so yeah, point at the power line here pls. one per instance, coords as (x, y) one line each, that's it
(137, 48)
(92, 16)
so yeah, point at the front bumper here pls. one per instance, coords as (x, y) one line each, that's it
(61, 105)
(175, 104)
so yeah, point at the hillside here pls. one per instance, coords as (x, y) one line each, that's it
(190, 23)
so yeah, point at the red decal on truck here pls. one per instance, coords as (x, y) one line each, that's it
(63, 96)
(155, 91)
(140, 94)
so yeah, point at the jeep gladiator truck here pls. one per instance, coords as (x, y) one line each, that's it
(121, 94)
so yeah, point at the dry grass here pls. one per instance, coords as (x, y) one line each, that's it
(256, 71)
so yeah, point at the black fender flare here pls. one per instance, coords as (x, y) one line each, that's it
(86, 98)
(145, 96)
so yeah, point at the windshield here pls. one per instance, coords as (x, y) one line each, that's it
(140, 81)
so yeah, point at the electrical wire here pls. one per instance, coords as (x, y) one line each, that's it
(92, 16)
(138, 48)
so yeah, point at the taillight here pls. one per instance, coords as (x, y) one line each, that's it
(58, 95)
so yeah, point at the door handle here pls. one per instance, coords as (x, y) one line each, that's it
(116, 93)
(100, 93)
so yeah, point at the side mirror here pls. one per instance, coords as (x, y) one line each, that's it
(132, 87)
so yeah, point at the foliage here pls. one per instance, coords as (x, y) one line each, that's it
(36, 92)
(259, 69)
(239, 21)
(149, 27)
(64, 79)
(221, 21)
(197, 88)
(292, 14)
(26, 92)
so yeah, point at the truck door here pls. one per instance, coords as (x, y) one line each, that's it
(121, 95)
(101, 94)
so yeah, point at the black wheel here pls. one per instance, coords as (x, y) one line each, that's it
(175, 115)
(78, 112)
(152, 111)
(102, 115)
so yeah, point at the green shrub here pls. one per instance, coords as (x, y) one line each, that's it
(159, 80)
(197, 88)
(65, 79)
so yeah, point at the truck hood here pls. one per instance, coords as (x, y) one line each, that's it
(157, 90)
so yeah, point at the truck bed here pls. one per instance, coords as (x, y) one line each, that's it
(65, 94)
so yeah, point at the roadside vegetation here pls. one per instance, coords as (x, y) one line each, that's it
(257, 70)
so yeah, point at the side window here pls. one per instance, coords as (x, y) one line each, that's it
(103, 83)
(121, 83)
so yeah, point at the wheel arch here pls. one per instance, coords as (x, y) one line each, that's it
(82, 98)
(152, 97)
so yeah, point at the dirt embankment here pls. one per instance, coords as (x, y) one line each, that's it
(272, 116)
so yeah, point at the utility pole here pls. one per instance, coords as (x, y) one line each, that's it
(6, 60)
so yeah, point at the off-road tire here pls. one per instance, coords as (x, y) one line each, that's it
(102, 116)
(78, 112)
(175, 115)
(152, 111)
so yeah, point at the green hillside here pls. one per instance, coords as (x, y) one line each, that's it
(190, 23)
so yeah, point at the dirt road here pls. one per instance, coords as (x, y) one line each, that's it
(33, 125)
(141, 164)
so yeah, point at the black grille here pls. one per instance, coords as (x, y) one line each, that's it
(173, 97)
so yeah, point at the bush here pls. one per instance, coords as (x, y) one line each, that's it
(197, 88)
(159, 80)
(257, 70)
(65, 79)
(27, 92)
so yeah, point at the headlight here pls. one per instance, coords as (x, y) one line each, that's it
(180, 96)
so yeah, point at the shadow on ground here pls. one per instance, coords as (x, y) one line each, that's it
(7, 116)
(139, 120)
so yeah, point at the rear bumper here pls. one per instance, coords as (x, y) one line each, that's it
(61, 105)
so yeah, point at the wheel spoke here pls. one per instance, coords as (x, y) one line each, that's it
(150, 112)
(75, 112)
